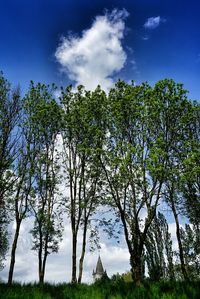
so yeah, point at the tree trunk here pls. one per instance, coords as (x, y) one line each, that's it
(137, 267)
(82, 254)
(74, 249)
(13, 251)
(41, 276)
(44, 261)
(42, 266)
(181, 255)
(40, 270)
(135, 253)
(138, 274)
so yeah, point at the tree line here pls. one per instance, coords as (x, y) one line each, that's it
(134, 150)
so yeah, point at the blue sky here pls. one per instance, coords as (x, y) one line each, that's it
(167, 47)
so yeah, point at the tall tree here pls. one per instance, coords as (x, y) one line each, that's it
(3, 238)
(181, 116)
(19, 204)
(139, 143)
(190, 176)
(44, 121)
(191, 249)
(189, 189)
(9, 115)
(133, 163)
(175, 202)
(82, 141)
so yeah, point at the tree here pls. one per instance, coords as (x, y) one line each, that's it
(182, 117)
(134, 162)
(159, 254)
(3, 238)
(44, 117)
(191, 249)
(9, 114)
(82, 141)
(174, 201)
(19, 204)
(190, 191)
(140, 143)
(190, 176)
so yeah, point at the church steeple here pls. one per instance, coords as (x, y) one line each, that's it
(99, 270)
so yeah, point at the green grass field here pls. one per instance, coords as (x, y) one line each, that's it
(102, 290)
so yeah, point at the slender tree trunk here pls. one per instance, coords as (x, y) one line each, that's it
(181, 255)
(40, 270)
(74, 249)
(82, 253)
(42, 258)
(13, 251)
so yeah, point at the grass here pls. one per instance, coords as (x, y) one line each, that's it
(102, 290)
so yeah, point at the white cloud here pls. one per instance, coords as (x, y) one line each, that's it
(153, 22)
(97, 54)
(115, 258)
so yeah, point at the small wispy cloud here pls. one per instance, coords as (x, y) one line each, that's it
(153, 22)
(134, 67)
(97, 54)
(198, 58)
(146, 37)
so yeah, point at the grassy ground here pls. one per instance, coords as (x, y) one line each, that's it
(102, 290)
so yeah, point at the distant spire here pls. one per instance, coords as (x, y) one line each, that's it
(99, 267)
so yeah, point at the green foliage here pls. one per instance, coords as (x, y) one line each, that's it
(127, 277)
(112, 290)
(127, 150)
